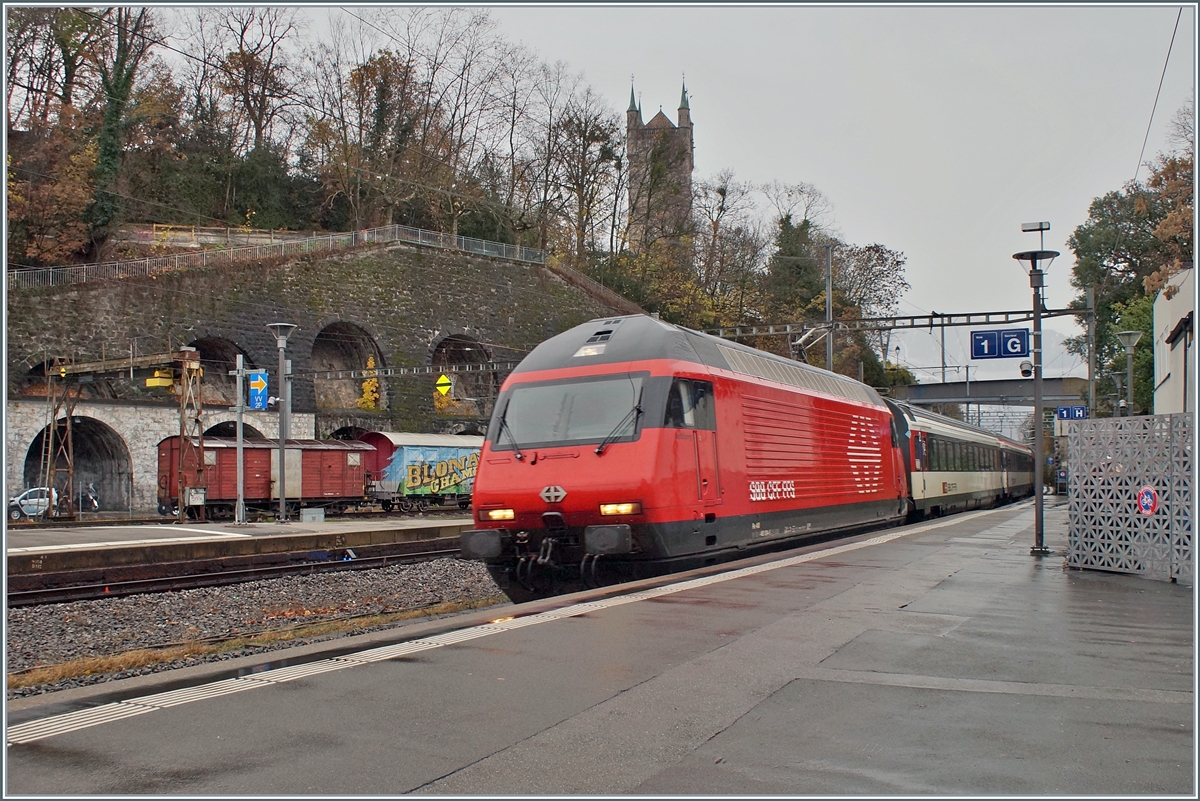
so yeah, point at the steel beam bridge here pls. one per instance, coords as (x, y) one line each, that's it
(1001, 392)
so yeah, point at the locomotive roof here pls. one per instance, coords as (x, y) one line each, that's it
(640, 337)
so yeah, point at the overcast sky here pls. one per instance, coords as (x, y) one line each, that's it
(935, 131)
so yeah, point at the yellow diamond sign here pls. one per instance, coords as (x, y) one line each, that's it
(443, 383)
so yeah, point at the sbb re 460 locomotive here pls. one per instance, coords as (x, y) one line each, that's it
(630, 446)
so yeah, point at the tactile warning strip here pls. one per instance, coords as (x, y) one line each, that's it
(85, 718)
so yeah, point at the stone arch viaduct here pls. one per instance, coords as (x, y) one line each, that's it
(383, 306)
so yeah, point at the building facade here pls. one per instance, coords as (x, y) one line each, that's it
(1174, 355)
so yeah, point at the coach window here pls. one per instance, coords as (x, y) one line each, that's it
(690, 405)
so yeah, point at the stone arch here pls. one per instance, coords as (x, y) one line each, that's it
(101, 458)
(350, 432)
(345, 346)
(217, 357)
(471, 393)
(229, 429)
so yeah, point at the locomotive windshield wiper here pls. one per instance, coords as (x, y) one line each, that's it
(504, 427)
(633, 414)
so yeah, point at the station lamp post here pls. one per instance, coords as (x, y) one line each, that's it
(282, 331)
(1129, 340)
(1038, 261)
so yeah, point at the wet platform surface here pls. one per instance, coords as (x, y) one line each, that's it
(934, 659)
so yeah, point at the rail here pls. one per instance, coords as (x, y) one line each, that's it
(81, 273)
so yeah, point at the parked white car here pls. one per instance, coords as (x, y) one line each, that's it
(31, 502)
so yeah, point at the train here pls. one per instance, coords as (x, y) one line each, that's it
(628, 447)
(384, 469)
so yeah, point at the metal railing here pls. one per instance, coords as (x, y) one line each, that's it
(77, 274)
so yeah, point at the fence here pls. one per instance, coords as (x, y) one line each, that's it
(60, 276)
(1114, 522)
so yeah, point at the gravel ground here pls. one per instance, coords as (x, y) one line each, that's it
(58, 633)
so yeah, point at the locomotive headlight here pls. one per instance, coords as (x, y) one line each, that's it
(620, 508)
(497, 514)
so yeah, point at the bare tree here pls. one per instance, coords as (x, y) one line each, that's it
(730, 255)
(801, 201)
(871, 277)
(258, 71)
(586, 149)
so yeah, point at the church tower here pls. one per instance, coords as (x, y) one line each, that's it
(661, 160)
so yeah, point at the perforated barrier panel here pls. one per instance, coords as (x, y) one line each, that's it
(1130, 493)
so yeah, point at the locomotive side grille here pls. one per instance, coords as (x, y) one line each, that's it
(841, 456)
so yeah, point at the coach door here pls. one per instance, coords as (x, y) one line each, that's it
(690, 406)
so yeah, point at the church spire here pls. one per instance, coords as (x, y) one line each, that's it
(685, 113)
(633, 114)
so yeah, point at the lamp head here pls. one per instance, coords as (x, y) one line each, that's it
(1026, 368)
(1035, 259)
(1129, 339)
(281, 331)
(1035, 226)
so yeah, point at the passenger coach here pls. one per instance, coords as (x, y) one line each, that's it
(954, 466)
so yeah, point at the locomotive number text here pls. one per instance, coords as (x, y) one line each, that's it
(772, 490)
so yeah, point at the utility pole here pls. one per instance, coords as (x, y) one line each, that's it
(829, 306)
(282, 331)
(239, 514)
(1091, 345)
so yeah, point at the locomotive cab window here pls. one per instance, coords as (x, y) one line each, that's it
(569, 412)
(690, 405)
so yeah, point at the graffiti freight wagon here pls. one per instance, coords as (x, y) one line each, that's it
(414, 471)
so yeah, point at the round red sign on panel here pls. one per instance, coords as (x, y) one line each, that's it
(1147, 500)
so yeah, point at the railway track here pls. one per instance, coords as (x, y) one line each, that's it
(91, 584)
(159, 520)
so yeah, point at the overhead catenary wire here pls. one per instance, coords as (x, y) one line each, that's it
(1157, 93)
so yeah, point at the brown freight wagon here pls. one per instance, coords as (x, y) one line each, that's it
(326, 473)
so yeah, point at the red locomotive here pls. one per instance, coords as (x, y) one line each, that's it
(653, 447)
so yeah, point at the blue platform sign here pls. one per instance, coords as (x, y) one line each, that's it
(1009, 343)
(1071, 412)
(258, 389)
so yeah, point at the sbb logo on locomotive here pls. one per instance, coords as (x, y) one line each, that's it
(772, 490)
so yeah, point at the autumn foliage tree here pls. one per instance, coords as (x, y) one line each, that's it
(1133, 241)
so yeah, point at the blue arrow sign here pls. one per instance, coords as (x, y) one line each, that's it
(258, 389)
(1008, 343)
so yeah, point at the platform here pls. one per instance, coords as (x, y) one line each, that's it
(935, 659)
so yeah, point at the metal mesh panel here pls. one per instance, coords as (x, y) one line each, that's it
(1111, 460)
